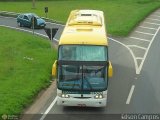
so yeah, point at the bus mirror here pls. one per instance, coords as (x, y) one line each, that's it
(110, 70)
(54, 69)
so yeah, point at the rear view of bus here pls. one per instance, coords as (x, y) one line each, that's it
(83, 67)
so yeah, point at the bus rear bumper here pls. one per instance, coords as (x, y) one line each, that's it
(91, 102)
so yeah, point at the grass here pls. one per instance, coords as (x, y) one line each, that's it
(25, 68)
(121, 15)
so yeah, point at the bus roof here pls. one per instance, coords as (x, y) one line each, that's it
(84, 27)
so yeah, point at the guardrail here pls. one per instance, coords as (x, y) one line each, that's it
(14, 14)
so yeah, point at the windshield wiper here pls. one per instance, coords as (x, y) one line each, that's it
(86, 79)
(89, 83)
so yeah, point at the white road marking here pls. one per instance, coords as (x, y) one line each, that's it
(145, 55)
(153, 19)
(130, 94)
(140, 39)
(139, 58)
(152, 23)
(136, 46)
(157, 12)
(155, 15)
(9, 12)
(48, 109)
(28, 31)
(56, 24)
(7, 17)
(148, 28)
(144, 33)
(134, 58)
(56, 39)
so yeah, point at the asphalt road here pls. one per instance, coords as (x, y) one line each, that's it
(134, 87)
(146, 97)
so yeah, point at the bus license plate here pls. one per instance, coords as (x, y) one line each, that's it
(82, 105)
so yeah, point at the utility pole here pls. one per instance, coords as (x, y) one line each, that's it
(33, 24)
(33, 4)
(51, 39)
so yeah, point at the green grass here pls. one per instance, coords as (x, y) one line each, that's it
(25, 68)
(121, 15)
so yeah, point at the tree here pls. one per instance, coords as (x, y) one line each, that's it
(33, 4)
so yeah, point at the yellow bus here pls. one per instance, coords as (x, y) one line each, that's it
(83, 68)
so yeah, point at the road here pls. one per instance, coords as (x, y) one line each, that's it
(134, 87)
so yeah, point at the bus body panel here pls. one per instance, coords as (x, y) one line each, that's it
(86, 32)
(82, 102)
(88, 100)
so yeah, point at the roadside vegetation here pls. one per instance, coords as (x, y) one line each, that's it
(121, 15)
(25, 68)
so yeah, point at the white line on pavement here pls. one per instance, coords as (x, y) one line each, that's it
(140, 39)
(49, 108)
(135, 62)
(7, 17)
(56, 39)
(152, 23)
(130, 94)
(157, 11)
(136, 46)
(155, 15)
(28, 31)
(9, 12)
(23, 30)
(144, 33)
(139, 58)
(145, 55)
(153, 19)
(55, 23)
(148, 28)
